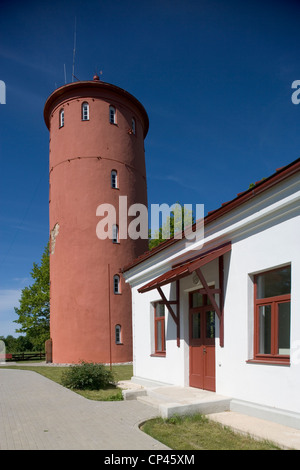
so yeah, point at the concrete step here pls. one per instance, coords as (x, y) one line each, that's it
(182, 401)
(157, 394)
(169, 409)
(171, 399)
(155, 403)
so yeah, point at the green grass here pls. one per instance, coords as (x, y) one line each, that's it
(112, 393)
(199, 433)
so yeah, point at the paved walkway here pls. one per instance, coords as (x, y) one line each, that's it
(39, 414)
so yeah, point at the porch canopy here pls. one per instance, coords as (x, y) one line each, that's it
(185, 268)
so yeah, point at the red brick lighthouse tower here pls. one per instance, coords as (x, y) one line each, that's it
(97, 133)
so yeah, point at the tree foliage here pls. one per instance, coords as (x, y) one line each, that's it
(175, 222)
(20, 344)
(34, 309)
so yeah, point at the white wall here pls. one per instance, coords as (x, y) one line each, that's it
(272, 385)
(168, 369)
(264, 235)
(174, 367)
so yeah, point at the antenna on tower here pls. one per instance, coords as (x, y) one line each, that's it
(74, 50)
(96, 74)
(65, 74)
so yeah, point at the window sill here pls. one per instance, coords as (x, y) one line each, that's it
(158, 355)
(274, 362)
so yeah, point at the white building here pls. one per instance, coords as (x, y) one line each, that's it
(226, 317)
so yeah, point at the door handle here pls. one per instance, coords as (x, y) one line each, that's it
(204, 350)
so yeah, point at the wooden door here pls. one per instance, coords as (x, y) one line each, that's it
(202, 348)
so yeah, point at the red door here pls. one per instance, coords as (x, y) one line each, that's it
(202, 348)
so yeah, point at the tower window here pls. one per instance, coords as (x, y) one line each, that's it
(115, 234)
(61, 118)
(117, 289)
(114, 179)
(112, 115)
(118, 334)
(133, 125)
(85, 114)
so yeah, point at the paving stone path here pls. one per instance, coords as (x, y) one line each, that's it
(37, 413)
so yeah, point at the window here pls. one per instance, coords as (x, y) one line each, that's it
(117, 289)
(133, 125)
(159, 328)
(115, 234)
(61, 118)
(118, 334)
(112, 115)
(272, 315)
(114, 179)
(200, 299)
(85, 113)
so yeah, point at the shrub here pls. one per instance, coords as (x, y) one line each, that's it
(87, 376)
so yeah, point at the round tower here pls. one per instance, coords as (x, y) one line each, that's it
(97, 133)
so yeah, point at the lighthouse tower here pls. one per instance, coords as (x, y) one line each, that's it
(97, 133)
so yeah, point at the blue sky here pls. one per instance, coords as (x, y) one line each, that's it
(214, 76)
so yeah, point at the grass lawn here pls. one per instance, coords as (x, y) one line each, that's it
(113, 393)
(199, 433)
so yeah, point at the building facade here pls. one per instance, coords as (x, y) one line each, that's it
(96, 149)
(222, 313)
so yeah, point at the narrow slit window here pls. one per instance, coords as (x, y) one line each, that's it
(62, 118)
(115, 234)
(117, 289)
(114, 179)
(118, 338)
(112, 115)
(133, 127)
(85, 112)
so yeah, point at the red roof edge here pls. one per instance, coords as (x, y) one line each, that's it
(280, 175)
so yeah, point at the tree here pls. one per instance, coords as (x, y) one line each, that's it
(10, 342)
(178, 219)
(34, 310)
(20, 344)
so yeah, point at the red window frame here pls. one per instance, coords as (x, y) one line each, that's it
(273, 357)
(159, 320)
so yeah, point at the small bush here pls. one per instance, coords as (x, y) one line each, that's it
(87, 376)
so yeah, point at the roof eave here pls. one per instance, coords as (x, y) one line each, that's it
(261, 186)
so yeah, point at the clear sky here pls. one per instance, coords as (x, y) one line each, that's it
(214, 76)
